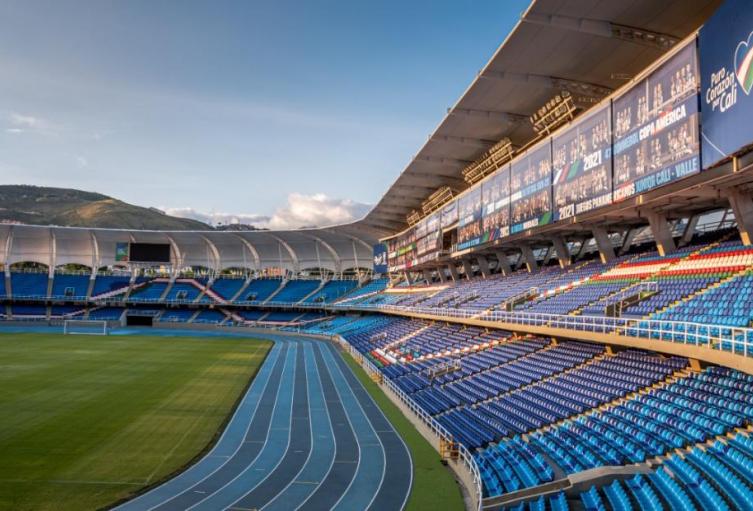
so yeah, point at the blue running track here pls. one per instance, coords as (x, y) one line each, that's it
(306, 435)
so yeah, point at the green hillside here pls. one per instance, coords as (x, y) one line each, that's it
(75, 208)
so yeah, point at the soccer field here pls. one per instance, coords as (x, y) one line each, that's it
(87, 420)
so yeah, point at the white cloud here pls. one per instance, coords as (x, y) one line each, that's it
(21, 123)
(318, 210)
(216, 217)
(82, 162)
(25, 121)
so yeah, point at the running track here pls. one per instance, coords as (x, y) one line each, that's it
(305, 436)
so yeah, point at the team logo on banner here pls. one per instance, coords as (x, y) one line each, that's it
(725, 44)
(744, 64)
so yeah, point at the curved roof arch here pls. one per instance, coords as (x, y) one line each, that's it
(331, 248)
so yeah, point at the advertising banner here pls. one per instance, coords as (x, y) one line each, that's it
(582, 162)
(531, 189)
(380, 258)
(449, 214)
(726, 57)
(656, 135)
(121, 252)
(430, 242)
(495, 219)
(469, 218)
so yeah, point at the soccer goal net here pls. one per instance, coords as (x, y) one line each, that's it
(85, 326)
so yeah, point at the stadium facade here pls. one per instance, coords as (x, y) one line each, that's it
(589, 195)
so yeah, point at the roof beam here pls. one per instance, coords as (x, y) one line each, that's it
(404, 210)
(489, 114)
(443, 160)
(386, 230)
(419, 188)
(455, 180)
(386, 215)
(603, 28)
(471, 142)
(399, 197)
(550, 82)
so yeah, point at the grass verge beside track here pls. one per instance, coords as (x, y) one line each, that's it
(87, 421)
(434, 486)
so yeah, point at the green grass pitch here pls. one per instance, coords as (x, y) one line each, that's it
(88, 420)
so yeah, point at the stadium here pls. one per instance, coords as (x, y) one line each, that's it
(550, 308)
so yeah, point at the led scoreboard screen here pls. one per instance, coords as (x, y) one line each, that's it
(495, 218)
(656, 139)
(469, 218)
(582, 162)
(531, 189)
(149, 252)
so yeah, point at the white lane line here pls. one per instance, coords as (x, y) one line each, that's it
(251, 420)
(384, 457)
(250, 465)
(307, 356)
(410, 456)
(332, 463)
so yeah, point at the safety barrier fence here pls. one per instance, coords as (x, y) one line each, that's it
(735, 339)
(464, 455)
(738, 340)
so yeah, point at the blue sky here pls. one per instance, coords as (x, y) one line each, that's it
(285, 112)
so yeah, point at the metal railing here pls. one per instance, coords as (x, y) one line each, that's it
(738, 340)
(465, 456)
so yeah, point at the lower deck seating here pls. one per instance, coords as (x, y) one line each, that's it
(104, 284)
(106, 313)
(29, 285)
(177, 315)
(210, 316)
(70, 286)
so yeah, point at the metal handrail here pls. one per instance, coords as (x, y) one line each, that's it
(465, 455)
(738, 340)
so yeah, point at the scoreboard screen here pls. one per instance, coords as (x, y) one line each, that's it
(149, 253)
(582, 162)
(496, 205)
(531, 189)
(656, 132)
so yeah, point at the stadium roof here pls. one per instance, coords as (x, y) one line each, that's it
(588, 47)
(336, 249)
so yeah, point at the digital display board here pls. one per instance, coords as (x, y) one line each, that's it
(531, 189)
(495, 217)
(149, 252)
(469, 218)
(449, 214)
(582, 165)
(726, 58)
(656, 138)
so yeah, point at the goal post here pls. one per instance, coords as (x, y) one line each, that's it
(85, 327)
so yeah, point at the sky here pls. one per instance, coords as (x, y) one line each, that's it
(277, 113)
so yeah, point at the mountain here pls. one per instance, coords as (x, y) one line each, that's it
(75, 208)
